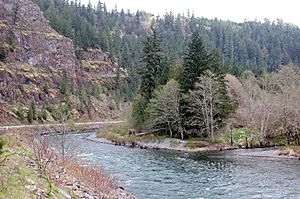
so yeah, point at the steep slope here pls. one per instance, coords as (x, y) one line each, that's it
(253, 45)
(38, 65)
(27, 38)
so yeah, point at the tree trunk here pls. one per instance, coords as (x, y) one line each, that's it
(211, 115)
(181, 131)
(170, 129)
(231, 140)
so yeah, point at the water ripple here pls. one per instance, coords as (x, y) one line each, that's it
(168, 175)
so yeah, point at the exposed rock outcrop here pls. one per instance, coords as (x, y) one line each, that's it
(99, 66)
(27, 37)
(36, 62)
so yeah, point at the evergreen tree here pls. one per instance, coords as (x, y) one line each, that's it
(150, 75)
(32, 106)
(151, 71)
(139, 115)
(97, 91)
(251, 45)
(30, 115)
(196, 61)
(64, 86)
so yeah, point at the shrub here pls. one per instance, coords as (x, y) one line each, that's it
(32, 106)
(2, 54)
(21, 87)
(97, 91)
(79, 54)
(20, 113)
(44, 114)
(30, 116)
(63, 86)
(46, 88)
(122, 132)
(50, 108)
(2, 143)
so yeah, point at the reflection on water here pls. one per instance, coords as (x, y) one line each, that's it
(157, 174)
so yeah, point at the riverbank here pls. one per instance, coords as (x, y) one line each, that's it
(29, 168)
(196, 147)
(269, 152)
(163, 174)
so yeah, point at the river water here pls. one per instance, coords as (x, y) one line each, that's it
(171, 175)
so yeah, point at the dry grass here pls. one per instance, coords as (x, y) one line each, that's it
(60, 169)
(93, 177)
(291, 151)
(121, 135)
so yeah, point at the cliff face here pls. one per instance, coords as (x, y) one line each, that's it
(29, 39)
(36, 62)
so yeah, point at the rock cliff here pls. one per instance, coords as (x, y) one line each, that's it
(29, 39)
(39, 65)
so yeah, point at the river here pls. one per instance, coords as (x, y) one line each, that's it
(171, 175)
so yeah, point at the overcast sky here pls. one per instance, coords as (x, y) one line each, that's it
(235, 10)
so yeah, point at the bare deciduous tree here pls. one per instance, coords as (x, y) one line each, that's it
(62, 131)
(252, 89)
(206, 103)
(164, 109)
(273, 102)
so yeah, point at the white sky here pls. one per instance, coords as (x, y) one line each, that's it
(234, 10)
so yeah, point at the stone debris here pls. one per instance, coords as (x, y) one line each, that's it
(64, 194)
(30, 181)
(41, 193)
(31, 188)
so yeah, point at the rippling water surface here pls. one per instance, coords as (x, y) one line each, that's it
(164, 175)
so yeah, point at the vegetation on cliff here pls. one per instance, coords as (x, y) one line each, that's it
(38, 65)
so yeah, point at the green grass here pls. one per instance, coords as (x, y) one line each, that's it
(239, 135)
(14, 177)
(120, 135)
(15, 172)
(175, 142)
(2, 143)
(196, 142)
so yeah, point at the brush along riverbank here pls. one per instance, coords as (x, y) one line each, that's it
(119, 136)
(31, 168)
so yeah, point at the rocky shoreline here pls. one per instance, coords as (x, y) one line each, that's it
(164, 145)
(271, 152)
(44, 175)
(79, 189)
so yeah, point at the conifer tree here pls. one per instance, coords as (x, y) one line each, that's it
(150, 72)
(30, 115)
(32, 105)
(196, 61)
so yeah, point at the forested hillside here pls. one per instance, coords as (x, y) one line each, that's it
(250, 45)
